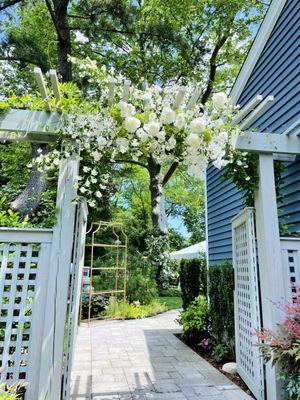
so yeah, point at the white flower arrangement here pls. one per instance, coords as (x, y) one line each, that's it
(144, 125)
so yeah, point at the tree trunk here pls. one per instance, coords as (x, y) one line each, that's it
(158, 213)
(27, 201)
(64, 48)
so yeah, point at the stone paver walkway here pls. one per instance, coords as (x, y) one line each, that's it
(143, 360)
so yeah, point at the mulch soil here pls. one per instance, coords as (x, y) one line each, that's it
(206, 355)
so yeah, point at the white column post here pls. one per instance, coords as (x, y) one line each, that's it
(269, 254)
(59, 276)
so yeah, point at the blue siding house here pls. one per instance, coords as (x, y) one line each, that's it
(272, 67)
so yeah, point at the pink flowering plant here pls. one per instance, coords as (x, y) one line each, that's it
(282, 348)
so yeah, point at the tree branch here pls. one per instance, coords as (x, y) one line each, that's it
(132, 162)
(213, 67)
(53, 17)
(170, 172)
(8, 3)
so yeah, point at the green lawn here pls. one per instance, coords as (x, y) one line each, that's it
(171, 302)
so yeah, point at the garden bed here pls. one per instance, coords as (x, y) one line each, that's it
(236, 379)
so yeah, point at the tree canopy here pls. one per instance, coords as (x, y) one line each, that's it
(162, 41)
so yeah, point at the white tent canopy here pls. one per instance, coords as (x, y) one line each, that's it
(195, 251)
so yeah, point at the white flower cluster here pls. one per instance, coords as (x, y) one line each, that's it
(147, 124)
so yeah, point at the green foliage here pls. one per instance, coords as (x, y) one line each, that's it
(170, 292)
(243, 171)
(220, 352)
(141, 286)
(193, 279)
(99, 304)
(11, 392)
(136, 310)
(158, 256)
(282, 347)
(14, 158)
(194, 319)
(221, 305)
(164, 40)
(247, 178)
(171, 302)
(12, 218)
(185, 199)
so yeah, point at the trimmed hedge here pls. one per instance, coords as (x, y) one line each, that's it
(221, 302)
(193, 280)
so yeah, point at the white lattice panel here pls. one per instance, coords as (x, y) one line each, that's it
(290, 255)
(23, 269)
(247, 303)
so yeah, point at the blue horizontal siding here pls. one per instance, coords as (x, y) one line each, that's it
(277, 73)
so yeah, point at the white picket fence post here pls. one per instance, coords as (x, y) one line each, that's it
(75, 293)
(58, 285)
(269, 258)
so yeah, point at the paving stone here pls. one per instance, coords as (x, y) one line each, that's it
(143, 360)
(206, 390)
(165, 396)
(236, 395)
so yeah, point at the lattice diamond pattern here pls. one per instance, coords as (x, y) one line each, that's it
(18, 272)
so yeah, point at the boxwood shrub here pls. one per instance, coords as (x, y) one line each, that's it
(193, 279)
(221, 302)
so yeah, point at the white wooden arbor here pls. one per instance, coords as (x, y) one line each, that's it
(56, 254)
(41, 271)
(53, 252)
(274, 253)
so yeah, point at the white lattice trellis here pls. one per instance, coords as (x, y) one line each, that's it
(290, 255)
(247, 304)
(24, 256)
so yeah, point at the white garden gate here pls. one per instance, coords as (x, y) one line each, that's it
(247, 302)
(38, 285)
(25, 271)
(40, 273)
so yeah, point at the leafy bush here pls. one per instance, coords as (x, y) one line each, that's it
(193, 279)
(12, 218)
(170, 274)
(140, 286)
(12, 392)
(283, 348)
(137, 310)
(220, 352)
(194, 320)
(99, 304)
(158, 255)
(221, 303)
